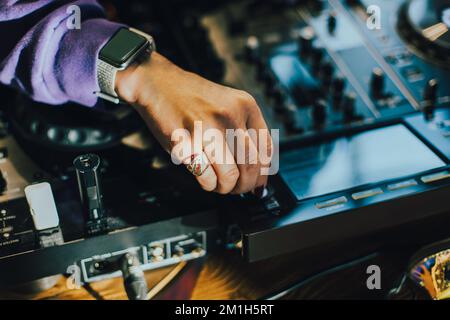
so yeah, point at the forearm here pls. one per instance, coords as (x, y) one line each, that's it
(46, 59)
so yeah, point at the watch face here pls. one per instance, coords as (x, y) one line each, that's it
(121, 47)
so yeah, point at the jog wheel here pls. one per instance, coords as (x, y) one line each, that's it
(425, 26)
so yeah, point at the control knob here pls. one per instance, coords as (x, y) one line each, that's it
(377, 83)
(319, 113)
(430, 98)
(331, 23)
(252, 49)
(305, 41)
(348, 107)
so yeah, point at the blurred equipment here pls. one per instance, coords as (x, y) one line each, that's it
(87, 167)
(427, 275)
(364, 125)
(133, 277)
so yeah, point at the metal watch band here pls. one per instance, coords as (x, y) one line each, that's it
(106, 73)
(106, 77)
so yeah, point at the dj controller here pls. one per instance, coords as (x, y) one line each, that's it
(358, 89)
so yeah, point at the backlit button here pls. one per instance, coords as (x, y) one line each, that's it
(331, 202)
(401, 185)
(435, 177)
(367, 193)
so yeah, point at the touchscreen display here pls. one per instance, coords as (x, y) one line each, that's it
(368, 157)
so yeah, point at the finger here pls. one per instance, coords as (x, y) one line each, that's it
(200, 166)
(223, 163)
(182, 152)
(260, 134)
(246, 156)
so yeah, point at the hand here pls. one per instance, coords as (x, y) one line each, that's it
(169, 98)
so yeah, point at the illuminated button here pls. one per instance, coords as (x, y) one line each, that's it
(331, 202)
(401, 185)
(435, 177)
(367, 193)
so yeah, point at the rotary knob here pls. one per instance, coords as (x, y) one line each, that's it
(252, 49)
(348, 107)
(430, 91)
(316, 58)
(337, 90)
(430, 98)
(377, 83)
(331, 23)
(327, 70)
(319, 113)
(305, 41)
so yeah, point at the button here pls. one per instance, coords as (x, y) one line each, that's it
(402, 184)
(367, 193)
(435, 177)
(42, 205)
(331, 202)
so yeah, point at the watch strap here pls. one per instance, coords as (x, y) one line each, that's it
(106, 77)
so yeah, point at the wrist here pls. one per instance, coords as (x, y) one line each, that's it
(129, 82)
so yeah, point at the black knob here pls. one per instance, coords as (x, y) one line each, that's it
(430, 91)
(305, 41)
(276, 92)
(293, 119)
(331, 23)
(377, 83)
(327, 70)
(316, 57)
(319, 113)
(348, 107)
(338, 85)
(252, 49)
(430, 98)
(337, 90)
(3, 183)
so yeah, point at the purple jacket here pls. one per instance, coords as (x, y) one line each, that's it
(43, 55)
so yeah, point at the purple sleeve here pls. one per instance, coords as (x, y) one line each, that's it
(44, 56)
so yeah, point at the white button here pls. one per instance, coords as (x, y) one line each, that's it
(435, 177)
(367, 193)
(42, 205)
(402, 184)
(331, 202)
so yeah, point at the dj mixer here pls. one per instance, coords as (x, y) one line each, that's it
(357, 89)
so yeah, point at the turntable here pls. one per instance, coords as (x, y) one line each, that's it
(425, 26)
(364, 124)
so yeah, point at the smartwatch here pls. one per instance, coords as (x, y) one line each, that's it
(124, 48)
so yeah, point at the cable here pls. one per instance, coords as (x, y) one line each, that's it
(133, 277)
(166, 280)
(299, 284)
